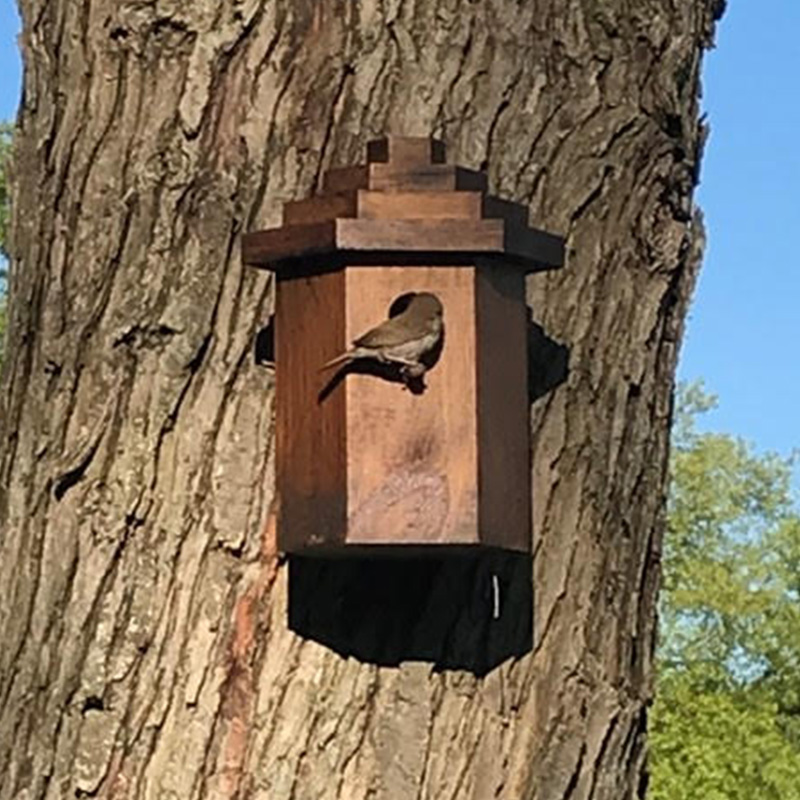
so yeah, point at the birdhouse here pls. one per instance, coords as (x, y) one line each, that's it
(426, 445)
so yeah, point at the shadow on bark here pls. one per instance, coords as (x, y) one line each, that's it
(264, 346)
(437, 609)
(548, 362)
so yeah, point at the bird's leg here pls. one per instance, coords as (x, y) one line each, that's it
(413, 377)
(413, 370)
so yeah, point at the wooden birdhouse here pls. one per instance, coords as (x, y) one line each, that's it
(382, 453)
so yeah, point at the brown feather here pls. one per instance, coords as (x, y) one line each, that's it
(388, 334)
(418, 321)
(334, 361)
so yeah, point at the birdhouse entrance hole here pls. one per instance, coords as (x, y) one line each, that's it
(400, 304)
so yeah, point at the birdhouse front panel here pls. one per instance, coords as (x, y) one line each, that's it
(412, 452)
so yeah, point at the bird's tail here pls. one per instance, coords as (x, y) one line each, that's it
(340, 359)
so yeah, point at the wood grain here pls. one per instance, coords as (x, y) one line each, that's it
(529, 249)
(269, 247)
(412, 178)
(412, 458)
(345, 179)
(419, 205)
(321, 208)
(312, 436)
(502, 403)
(406, 151)
(449, 465)
(421, 235)
(367, 204)
(425, 178)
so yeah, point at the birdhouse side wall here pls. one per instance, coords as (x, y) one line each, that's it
(503, 407)
(311, 434)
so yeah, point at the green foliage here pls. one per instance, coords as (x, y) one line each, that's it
(709, 745)
(725, 724)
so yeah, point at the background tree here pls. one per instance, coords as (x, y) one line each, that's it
(144, 645)
(725, 723)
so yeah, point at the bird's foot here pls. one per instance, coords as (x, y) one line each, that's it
(413, 377)
(412, 369)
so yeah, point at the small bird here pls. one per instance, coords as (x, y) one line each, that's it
(404, 339)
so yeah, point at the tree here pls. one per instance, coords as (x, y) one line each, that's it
(5, 155)
(144, 644)
(725, 719)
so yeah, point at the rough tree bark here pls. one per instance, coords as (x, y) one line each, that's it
(144, 645)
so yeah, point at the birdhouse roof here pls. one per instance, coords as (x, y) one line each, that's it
(407, 201)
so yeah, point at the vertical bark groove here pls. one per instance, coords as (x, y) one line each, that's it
(144, 645)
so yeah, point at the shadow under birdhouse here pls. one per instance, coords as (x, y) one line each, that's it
(468, 612)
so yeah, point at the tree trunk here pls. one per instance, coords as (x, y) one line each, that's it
(146, 644)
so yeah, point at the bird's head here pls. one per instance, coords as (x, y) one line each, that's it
(426, 306)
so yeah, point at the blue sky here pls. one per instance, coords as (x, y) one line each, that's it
(744, 327)
(9, 59)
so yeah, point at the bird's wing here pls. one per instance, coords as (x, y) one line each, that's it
(390, 333)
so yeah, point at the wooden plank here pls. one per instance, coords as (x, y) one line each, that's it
(406, 151)
(384, 205)
(345, 179)
(265, 248)
(528, 248)
(322, 208)
(390, 178)
(412, 458)
(443, 235)
(425, 178)
(419, 205)
(504, 474)
(538, 248)
(311, 444)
